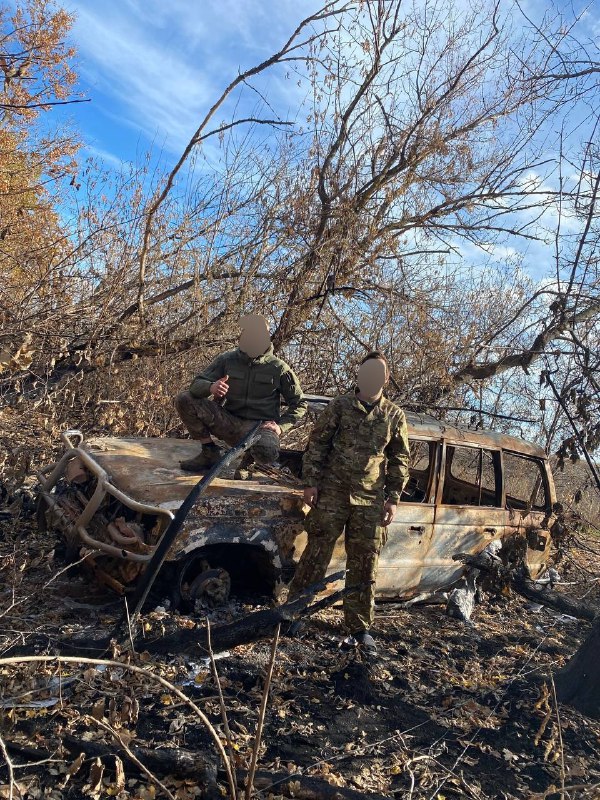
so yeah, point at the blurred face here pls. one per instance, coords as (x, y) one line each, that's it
(371, 377)
(255, 338)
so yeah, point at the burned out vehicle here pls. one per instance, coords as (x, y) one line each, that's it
(113, 499)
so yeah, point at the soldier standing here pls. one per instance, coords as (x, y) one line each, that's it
(240, 387)
(354, 471)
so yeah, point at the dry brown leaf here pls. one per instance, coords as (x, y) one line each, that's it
(98, 708)
(94, 786)
(119, 783)
(76, 765)
(18, 790)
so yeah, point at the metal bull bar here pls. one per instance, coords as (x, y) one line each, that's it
(103, 487)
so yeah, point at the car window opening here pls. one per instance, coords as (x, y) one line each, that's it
(419, 467)
(524, 483)
(472, 477)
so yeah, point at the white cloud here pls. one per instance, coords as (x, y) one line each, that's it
(501, 252)
(156, 88)
(105, 156)
(159, 66)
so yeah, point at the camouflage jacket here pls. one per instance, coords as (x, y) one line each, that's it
(256, 387)
(359, 451)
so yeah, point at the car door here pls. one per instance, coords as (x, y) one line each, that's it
(403, 556)
(402, 559)
(528, 500)
(469, 512)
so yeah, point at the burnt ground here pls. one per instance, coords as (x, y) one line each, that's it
(446, 710)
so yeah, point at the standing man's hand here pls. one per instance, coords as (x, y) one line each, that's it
(311, 495)
(271, 425)
(219, 388)
(389, 512)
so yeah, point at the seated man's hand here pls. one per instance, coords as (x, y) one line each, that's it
(219, 388)
(271, 425)
(311, 495)
(389, 512)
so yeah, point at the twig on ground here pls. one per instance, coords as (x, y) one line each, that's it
(593, 581)
(226, 728)
(543, 706)
(261, 717)
(581, 545)
(44, 586)
(560, 740)
(11, 773)
(129, 626)
(579, 567)
(407, 767)
(575, 787)
(147, 674)
(142, 767)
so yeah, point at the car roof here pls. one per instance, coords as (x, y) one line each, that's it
(425, 426)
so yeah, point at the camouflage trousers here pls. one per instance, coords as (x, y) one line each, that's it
(363, 539)
(203, 418)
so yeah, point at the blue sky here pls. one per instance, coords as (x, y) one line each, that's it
(153, 67)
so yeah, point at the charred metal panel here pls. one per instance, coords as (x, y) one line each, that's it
(459, 529)
(534, 528)
(271, 521)
(428, 427)
(148, 470)
(404, 557)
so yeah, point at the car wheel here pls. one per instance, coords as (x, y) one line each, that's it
(211, 586)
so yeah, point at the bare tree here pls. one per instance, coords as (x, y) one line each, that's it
(421, 154)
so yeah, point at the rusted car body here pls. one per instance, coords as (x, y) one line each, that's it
(113, 498)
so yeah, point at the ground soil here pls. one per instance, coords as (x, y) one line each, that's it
(446, 710)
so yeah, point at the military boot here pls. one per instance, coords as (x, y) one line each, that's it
(362, 640)
(208, 456)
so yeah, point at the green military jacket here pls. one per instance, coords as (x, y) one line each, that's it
(358, 451)
(256, 387)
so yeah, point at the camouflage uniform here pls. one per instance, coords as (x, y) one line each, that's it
(205, 416)
(256, 388)
(356, 458)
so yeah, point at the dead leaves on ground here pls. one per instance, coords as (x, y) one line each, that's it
(439, 692)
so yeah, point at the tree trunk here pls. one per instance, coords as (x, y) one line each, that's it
(578, 683)
(256, 625)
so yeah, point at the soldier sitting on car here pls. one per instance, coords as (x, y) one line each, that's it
(354, 471)
(236, 390)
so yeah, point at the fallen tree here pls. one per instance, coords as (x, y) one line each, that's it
(165, 761)
(187, 763)
(256, 625)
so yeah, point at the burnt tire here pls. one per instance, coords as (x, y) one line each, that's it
(212, 586)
